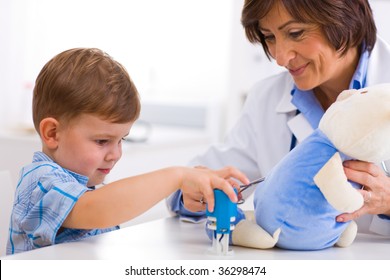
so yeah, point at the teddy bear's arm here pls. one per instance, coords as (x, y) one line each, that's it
(334, 185)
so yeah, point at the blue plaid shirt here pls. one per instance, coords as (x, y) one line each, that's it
(45, 195)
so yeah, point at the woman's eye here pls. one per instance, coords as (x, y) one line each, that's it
(296, 34)
(269, 38)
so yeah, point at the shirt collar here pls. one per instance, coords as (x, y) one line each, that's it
(40, 156)
(359, 77)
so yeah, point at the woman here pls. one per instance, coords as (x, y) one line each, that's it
(326, 46)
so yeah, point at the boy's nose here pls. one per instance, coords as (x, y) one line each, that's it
(115, 153)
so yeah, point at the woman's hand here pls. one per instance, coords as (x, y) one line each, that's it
(199, 183)
(376, 190)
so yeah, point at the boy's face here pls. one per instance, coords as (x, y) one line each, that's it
(90, 146)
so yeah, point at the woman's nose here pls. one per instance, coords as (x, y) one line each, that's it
(283, 53)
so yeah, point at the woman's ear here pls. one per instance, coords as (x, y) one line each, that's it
(48, 129)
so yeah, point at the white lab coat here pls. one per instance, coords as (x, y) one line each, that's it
(263, 133)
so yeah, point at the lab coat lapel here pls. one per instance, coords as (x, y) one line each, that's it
(298, 125)
(379, 59)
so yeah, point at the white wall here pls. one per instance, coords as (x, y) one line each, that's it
(12, 56)
(381, 10)
(248, 64)
(173, 49)
(182, 52)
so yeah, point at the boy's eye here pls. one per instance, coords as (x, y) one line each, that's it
(101, 142)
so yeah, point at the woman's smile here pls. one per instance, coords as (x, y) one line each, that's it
(297, 71)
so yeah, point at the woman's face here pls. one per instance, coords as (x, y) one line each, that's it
(303, 50)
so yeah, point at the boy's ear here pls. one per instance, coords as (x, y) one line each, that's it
(48, 129)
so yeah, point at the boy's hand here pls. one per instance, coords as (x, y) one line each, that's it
(199, 183)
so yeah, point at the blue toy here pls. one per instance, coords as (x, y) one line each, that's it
(297, 204)
(221, 222)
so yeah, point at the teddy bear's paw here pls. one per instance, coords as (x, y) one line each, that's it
(249, 234)
(348, 236)
(334, 185)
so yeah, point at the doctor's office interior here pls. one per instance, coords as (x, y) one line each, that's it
(190, 61)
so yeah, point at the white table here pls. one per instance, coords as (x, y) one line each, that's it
(171, 239)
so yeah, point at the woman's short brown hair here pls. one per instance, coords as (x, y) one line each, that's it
(84, 81)
(345, 23)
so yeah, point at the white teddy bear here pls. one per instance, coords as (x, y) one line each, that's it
(297, 204)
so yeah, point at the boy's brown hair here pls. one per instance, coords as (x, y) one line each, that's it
(84, 81)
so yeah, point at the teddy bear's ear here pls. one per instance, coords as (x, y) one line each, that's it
(345, 94)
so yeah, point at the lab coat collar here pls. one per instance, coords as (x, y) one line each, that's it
(308, 105)
(300, 127)
(298, 124)
(377, 65)
(285, 105)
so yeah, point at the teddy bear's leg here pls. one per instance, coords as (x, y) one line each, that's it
(250, 215)
(248, 234)
(334, 185)
(348, 236)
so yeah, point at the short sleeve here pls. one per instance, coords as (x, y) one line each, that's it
(51, 201)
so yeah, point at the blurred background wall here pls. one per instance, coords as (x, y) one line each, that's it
(189, 59)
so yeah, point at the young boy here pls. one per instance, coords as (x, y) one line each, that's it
(84, 104)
